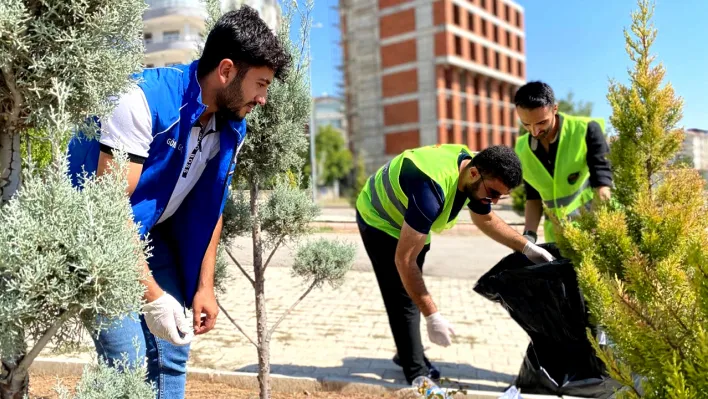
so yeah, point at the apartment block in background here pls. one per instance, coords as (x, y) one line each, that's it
(695, 147)
(422, 72)
(329, 111)
(172, 28)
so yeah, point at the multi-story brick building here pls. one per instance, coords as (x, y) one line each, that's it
(421, 72)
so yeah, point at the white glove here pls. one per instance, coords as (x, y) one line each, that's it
(537, 254)
(439, 329)
(165, 318)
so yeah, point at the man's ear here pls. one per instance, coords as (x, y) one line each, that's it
(474, 173)
(226, 71)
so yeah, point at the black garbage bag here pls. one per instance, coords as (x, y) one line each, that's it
(546, 302)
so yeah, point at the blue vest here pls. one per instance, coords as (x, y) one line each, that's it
(174, 98)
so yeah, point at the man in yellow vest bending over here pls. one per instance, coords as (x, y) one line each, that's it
(419, 191)
(563, 159)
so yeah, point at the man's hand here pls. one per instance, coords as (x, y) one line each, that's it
(603, 193)
(537, 254)
(439, 329)
(204, 302)
(166, 320)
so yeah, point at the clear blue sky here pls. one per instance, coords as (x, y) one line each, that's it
(576, 45)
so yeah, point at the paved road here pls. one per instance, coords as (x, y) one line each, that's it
(466, 257)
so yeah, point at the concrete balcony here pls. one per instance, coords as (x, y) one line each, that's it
(181, 43)
(168, 9)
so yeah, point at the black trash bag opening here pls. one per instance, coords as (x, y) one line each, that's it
(545, 300)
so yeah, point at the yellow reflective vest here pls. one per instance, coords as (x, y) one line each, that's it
(382, 203)
(568, 190)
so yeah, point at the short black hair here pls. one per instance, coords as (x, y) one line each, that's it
(534, 95)
(499, 162)
(244, 38)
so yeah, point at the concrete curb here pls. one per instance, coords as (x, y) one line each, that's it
(279, 383)
(461, 229)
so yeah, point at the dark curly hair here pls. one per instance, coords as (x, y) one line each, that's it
(499, 162)
(244, 38)
(534, 95)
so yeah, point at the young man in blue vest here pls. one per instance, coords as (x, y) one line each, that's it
(182, 128)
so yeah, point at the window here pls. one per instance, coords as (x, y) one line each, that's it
(519, 44)
(170, 36)
(484, 4)
(147, 37)
(496, 33)
(519, 68)
(450, 135)
(448, 78)
(456, 14)
(458, 45)
(508, 64)
(477, 112)
(463, 80)
(473, 51)
(484, 28)
(497, 60)
(508, 39)
(495, 10)
(448, 107)
(476, 87)
(502, 119)
(470, 22)
(518, 19)
(507, 14)
(485, 57)
(463, 108)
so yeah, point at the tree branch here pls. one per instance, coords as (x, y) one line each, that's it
(273, 252)
(651, 324)
(13, 118)
(250, 279)
(287, 312)
(236, 324)
(42, 342)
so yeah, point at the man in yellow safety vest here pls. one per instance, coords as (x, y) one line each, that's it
(419, 191)
(563, 158)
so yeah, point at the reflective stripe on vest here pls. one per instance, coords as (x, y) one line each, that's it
(382, 204)
(567, 200)
(376, 203)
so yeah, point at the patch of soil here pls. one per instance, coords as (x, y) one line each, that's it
(42, 387)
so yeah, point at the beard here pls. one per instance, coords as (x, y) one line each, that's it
(230, 100)
(472, 189)
(545, 133)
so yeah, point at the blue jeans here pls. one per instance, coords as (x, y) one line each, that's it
(166, 363)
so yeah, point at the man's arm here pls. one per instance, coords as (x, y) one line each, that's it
(533, 209)
(409, 246)
(153, 290)
(499, 231)
(130, 129)
(598, 164)
(205, 299)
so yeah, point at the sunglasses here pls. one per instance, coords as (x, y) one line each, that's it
(491, 194)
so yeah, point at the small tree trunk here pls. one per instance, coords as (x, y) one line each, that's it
(261, 315)
(10, 165)
(17, 384)
(14, 381)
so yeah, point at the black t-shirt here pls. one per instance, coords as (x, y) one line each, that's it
(426, 198)
(599, 165)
